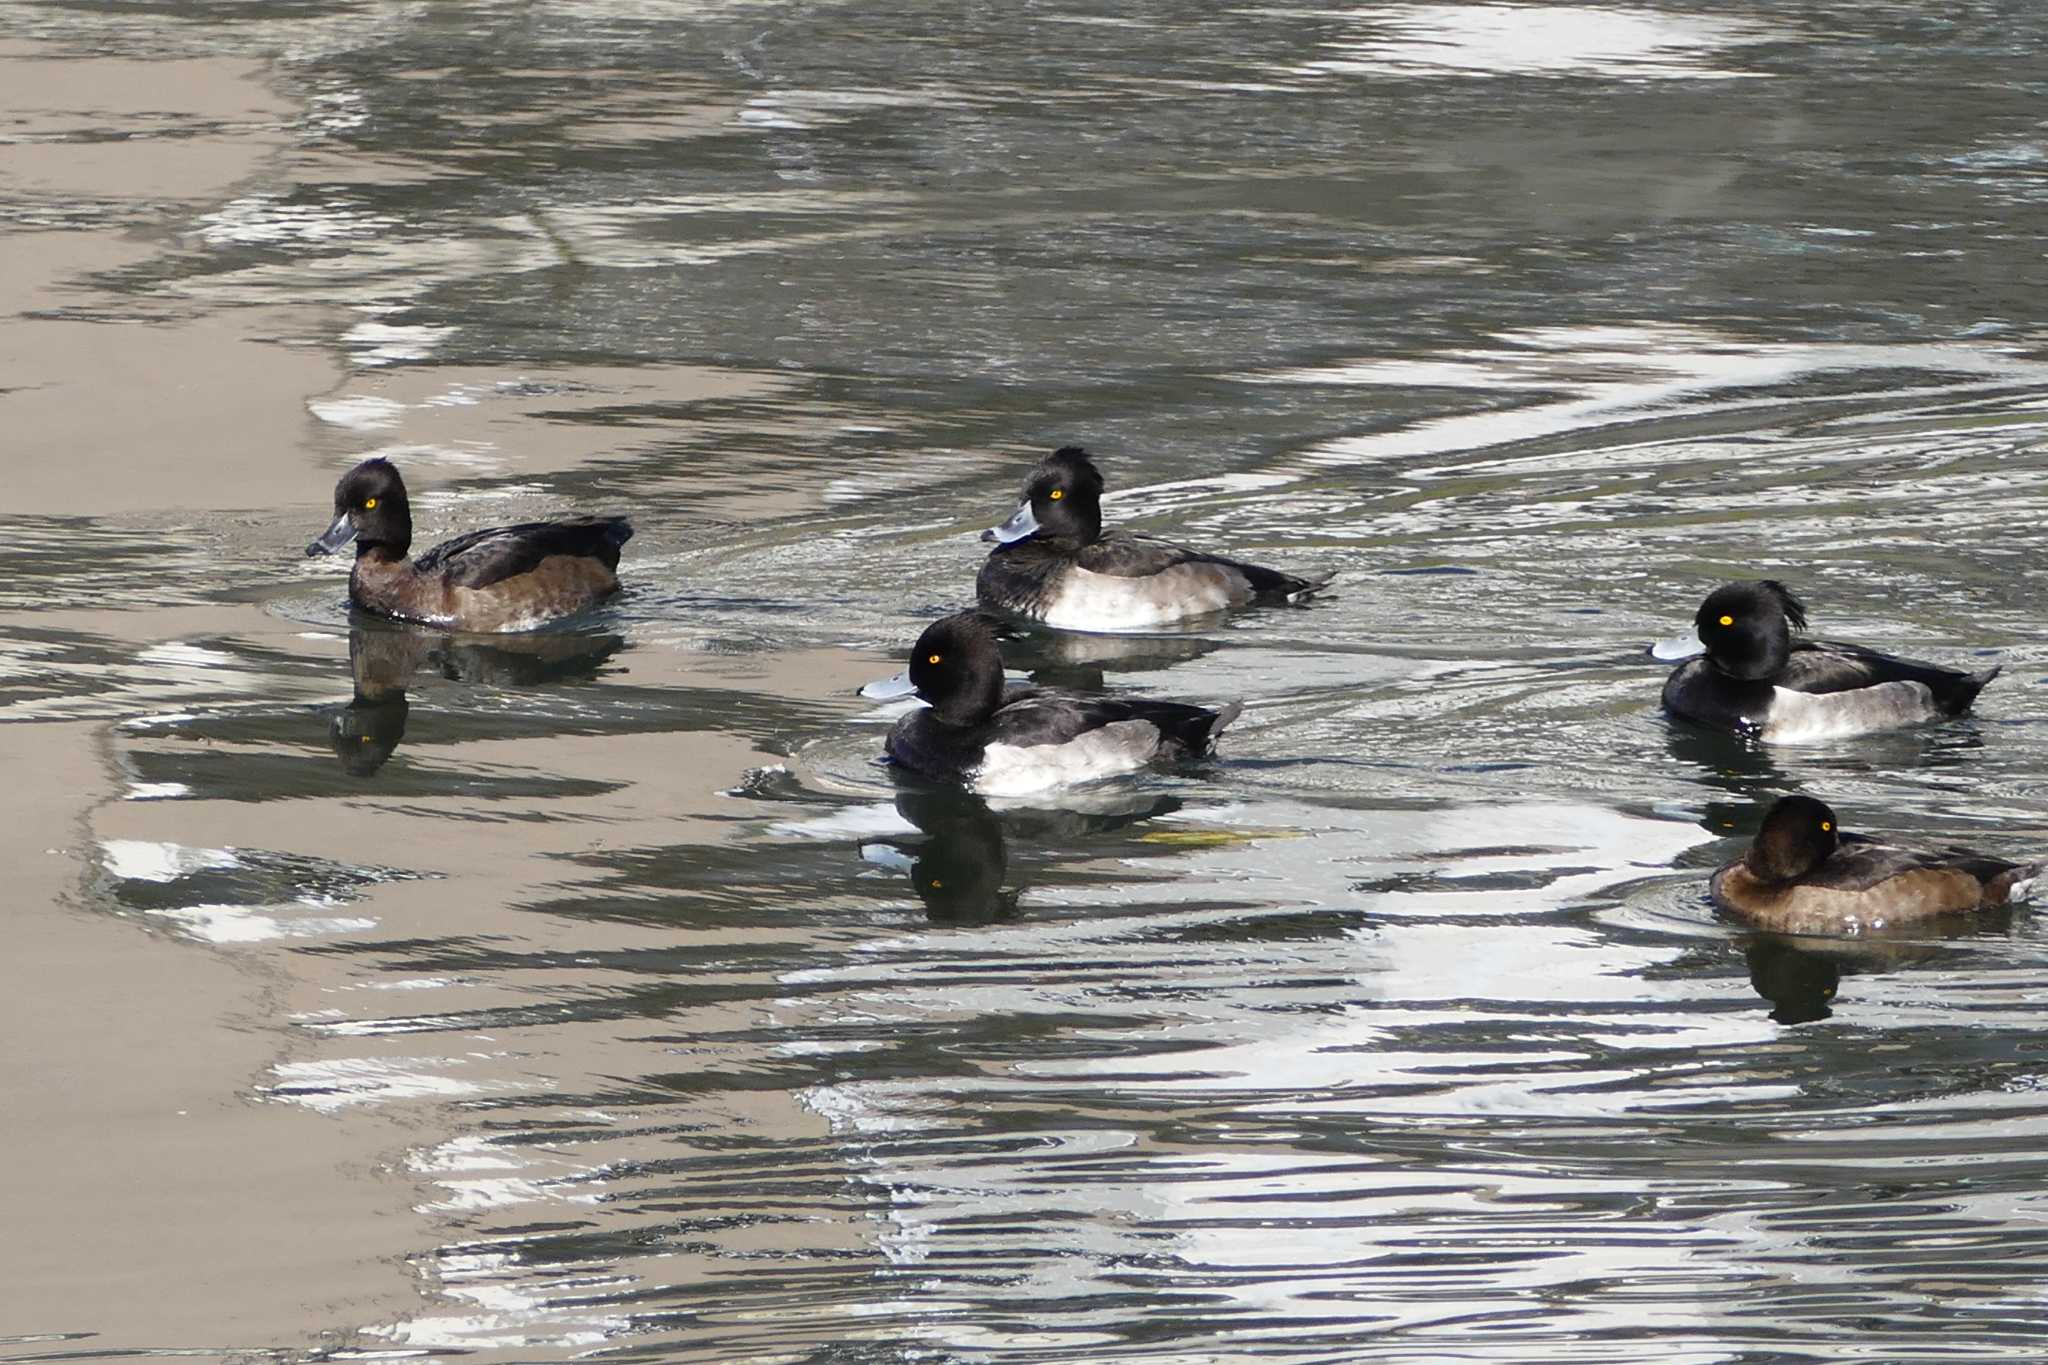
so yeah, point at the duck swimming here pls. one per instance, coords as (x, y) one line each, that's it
(503, 579)
(1759, 682)
(1012, 743)
(1802, 875)
(1052, 563)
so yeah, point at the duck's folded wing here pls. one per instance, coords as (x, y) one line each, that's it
(1862, 862)
(1122, 554)
(1049, 717)
(1830, 666)
(1980, 865)
(482, 558)
(1045, 716)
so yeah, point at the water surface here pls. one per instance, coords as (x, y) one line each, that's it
(1403, 1030)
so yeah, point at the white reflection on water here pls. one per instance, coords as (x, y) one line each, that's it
(151, 860)
(331, 1085)
(1595, 376)
(1281, 1032)
(508, 1306)
(1537, 40)
(224, 924)
(371, 342)
(267, 220)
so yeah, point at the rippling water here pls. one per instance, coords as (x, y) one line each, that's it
(1401, 1031)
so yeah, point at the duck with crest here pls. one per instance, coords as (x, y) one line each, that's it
(1053, 563)
(1759, 682)
(1014, 741)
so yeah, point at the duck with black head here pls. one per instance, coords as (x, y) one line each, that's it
(1053, 563)
(507, 578)
(1014, 742)
(1803, 875)
(1759, 682)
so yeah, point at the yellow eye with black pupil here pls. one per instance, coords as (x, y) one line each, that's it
(369, 504)
(931, 658)
(1727, 620)
(1056, 494)
(938, 885)
(1826, 826)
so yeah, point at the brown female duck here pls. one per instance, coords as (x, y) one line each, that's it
(1802, 875)
(503, 579)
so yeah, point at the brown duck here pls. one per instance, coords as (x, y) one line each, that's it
(1802, 875)
(504, 579)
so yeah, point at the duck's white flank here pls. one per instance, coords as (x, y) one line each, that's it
(1808, 717)
(1119, 747)
(1095, 601)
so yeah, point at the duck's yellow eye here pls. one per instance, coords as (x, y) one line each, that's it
(938, 885)
(1826, 826)
(369, 504)
(1727, 620)
(931, 658)
(1056, 494)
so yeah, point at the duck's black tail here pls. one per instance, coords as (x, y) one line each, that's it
(1287, 587)
(600, 538)
(1955, 693)
(1190, 729)
(2015, 883)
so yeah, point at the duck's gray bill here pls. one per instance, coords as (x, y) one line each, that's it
(1020, 525)
(333, 538)
(890, 689)
(1676, 648)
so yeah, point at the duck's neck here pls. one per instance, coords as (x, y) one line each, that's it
(1086, 523)
(972, 704)
(382, 551)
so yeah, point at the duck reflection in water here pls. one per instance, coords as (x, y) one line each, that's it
(1799, 977)
(1748, 773)
(1727, 765)
(959, 867)
(1083, 663)
(384, 661)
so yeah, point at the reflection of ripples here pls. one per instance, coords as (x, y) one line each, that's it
(1082, 662)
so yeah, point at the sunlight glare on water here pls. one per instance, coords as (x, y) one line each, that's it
(1540, 40)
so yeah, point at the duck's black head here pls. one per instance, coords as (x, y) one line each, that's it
(1747, 628)
(370, 508)
(1798, 835)
(1062, 500)
(958, 668)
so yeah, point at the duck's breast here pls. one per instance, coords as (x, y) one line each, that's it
(394, 588)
